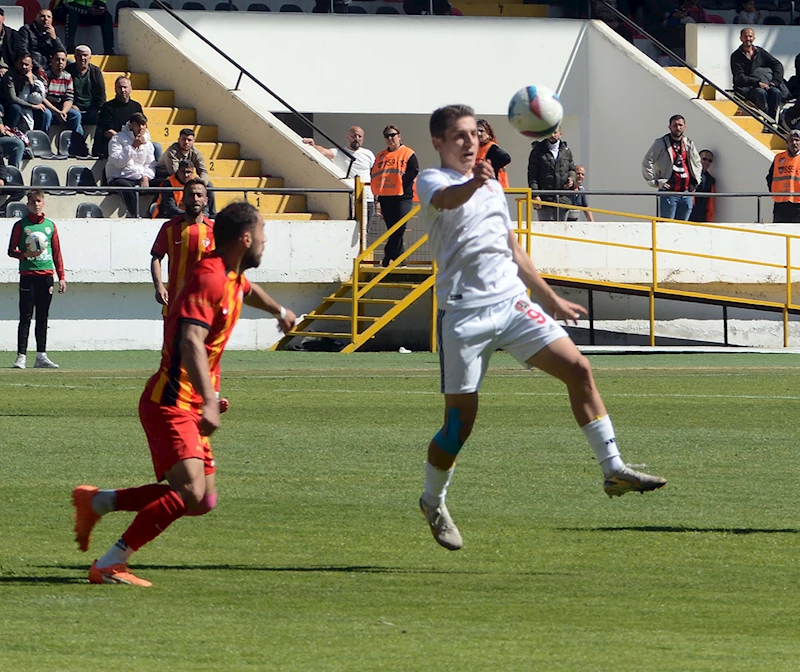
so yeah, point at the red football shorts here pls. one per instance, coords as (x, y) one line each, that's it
(173, 435)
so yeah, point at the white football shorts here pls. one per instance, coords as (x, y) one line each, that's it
(469, 337)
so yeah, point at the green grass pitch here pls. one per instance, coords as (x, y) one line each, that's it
(317, 558)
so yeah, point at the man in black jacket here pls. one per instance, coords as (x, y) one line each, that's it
(551, 166)
(9, 45)
(39, 40)
(89, 88)
(114, 115)
(758, 75)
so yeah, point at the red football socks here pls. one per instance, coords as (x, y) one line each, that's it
(135, 499)
(154, 518)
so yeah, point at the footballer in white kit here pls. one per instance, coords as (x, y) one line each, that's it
(482, 277)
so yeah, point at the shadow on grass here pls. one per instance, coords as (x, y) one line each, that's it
(322, 569)
(41, 580)
(673, 528)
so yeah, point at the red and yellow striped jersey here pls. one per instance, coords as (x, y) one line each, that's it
(213, 299)
(185, 244)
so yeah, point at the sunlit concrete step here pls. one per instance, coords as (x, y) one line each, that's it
(709, 92)
(139, 80)
(233, 168)
(218, 150)
(500, 9)
(112, 63)
(295, 215)
(749, 124)
(152, 97)
(772, 141)
(251, 182)
(727, 107)
(682, 74)
(169, 133)
(265, 203)
(185, 116)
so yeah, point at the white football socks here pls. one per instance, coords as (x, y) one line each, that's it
(104, 501)
(436, 484)
(600, 435)
(118, 554)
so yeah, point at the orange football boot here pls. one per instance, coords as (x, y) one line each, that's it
(85, 517)
(115, 574)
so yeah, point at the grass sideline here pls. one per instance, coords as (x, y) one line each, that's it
(317, 558)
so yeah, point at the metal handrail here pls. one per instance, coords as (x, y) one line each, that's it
(242, 71)
(740, 102)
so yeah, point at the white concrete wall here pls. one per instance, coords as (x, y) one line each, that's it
(709, 48)
(109, 304)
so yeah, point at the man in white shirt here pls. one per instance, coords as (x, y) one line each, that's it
(481, 284)
(362, 166)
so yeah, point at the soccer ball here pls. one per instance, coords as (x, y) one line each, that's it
(36, 242)
(535, 111)
(35, 97)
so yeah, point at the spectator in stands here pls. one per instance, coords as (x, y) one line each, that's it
(417, 7)
(784, 178)
(602, 12)
(10, 41)
(488, 150)
(703, 210)
(790, 116)
(579, 198)
(36, 271)
(169, 203)
(184, 150)
(59, 99)
(90, 91)
(131, 160)
(758, 75)
(673, 166)
(24, 92)
(89, 13)
(39, 40)
(114, 115)
(550, 167)
(362, 166)
(12, 148)
(748, 14)
(392, 180)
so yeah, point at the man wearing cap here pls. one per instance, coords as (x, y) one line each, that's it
(9, 45)
(783, 180)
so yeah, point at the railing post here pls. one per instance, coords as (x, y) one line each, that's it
(360, 215)
(354, 314)
(788, 292)
(653, 237)
(434, 315)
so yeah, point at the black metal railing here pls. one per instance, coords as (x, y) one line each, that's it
(741, 103)
(242, 71)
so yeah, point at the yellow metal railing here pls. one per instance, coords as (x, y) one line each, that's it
(524, 212)
(525, 234)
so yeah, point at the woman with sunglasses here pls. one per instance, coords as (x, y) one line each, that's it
(489, 151)
(393, 175)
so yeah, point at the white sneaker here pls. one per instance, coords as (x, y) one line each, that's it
(19, 362)
(43, 362)
(443, 528)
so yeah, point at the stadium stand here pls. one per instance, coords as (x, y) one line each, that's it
(226, 167)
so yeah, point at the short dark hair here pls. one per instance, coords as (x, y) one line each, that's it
(676, 117)
(35, 193)
(137, 118)
(186, 131)
(195, 180)
(232, 221)
(184, 163)
(23, 56)
(706, 151)
(442, 118)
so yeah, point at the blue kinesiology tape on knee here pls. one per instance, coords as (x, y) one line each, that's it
(448, 437)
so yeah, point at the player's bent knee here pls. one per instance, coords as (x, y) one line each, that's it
(449, 437)
(204, 506)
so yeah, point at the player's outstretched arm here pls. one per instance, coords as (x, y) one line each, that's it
(258, 298)
(559, 308)
(162, 295)
(195, 360)
(455, 196)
